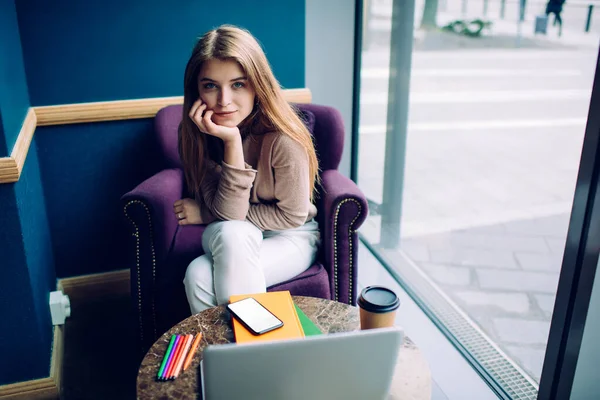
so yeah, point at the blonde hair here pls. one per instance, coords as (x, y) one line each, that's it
(271, 111)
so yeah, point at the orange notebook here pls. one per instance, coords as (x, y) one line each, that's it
(280, 304)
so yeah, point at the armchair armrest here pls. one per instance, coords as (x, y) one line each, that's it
(149, 207)
(149, 210)
(342, 208)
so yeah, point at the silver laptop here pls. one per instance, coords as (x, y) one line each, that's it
(351, 365)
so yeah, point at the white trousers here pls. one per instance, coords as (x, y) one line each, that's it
(241, 259)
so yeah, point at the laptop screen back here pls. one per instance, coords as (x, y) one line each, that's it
(353, 365)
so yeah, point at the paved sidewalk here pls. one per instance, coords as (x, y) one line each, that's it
(568, 39)
(488, 184)
(504, 276)
(503, 33)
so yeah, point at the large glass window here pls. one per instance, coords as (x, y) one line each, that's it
(469, 160)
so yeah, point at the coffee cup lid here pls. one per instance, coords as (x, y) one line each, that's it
(378, 299)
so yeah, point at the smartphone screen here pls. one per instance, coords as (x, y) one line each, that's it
(254, 316)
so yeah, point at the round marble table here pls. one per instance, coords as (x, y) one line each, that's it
(412, 379)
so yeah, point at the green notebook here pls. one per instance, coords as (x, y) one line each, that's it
(309, 328)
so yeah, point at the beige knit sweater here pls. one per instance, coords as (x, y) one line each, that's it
(272, 191)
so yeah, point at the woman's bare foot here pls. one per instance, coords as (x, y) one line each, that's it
(187, 212)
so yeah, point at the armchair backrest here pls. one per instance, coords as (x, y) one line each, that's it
(324, 122)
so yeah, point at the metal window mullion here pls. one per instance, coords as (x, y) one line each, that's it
(401, 47)
(579, 265)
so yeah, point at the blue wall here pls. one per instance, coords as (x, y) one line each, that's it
(80, 51)
(24, 343)
(37, 242)
(26, 258)
(28, 277)
(14, 100)
(110, 50)
(97, 164)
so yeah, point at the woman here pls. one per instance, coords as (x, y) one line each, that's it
(250, 162)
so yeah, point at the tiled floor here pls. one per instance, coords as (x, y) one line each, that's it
(504, 276)
(453, 377)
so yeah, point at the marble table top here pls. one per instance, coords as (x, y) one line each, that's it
(412, 378)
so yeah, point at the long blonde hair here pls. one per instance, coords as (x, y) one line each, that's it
(271, 111)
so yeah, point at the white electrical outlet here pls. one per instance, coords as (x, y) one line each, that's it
(60, 307)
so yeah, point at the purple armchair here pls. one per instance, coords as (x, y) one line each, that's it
(161, 250)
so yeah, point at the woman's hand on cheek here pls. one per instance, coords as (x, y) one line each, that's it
(225, 133)
(203, 121)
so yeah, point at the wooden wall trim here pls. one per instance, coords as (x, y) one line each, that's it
(96, 286)
(102, 111)
(21, 148)
(11, 167)
(58, 351)
(9, 172)
(126, 109)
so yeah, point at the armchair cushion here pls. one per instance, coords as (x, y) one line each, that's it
(328, 134)
(308, 117)
(314, 282)
(166, 124)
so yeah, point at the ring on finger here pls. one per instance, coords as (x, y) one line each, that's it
(180, 216)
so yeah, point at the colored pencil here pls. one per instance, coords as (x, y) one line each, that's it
(171, 357)
(186, 347)
(169, 374)
(190, 355)
(165, 357)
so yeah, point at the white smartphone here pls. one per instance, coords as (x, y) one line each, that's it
(254, 316)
